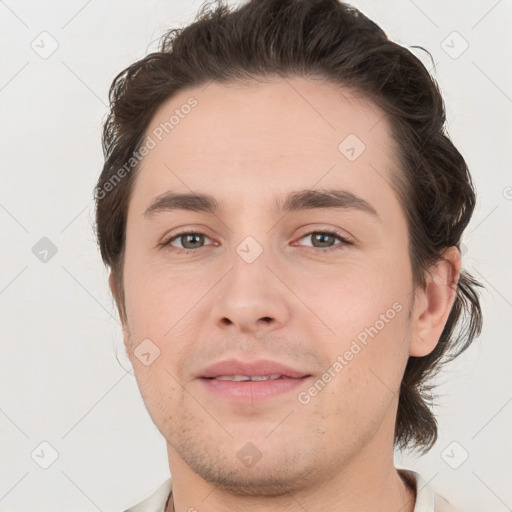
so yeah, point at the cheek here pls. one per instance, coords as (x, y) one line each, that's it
(157, 297)
(160, 391)
(161, 306)
(357, 297)
(364, 375)
(367, 343)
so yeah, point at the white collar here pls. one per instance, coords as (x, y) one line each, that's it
(156, 502)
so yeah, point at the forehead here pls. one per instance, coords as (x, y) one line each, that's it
(275, 136)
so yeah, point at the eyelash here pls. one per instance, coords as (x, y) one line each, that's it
(323, 232)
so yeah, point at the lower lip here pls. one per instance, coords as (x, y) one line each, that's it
(248, 392)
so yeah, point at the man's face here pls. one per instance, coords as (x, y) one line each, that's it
(260, 285)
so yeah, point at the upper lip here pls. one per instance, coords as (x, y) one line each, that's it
(260, 367)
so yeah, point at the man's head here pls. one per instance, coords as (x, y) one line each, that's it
(278, 111)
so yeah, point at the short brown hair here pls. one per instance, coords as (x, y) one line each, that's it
(336, 42)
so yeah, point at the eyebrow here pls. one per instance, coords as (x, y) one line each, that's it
(294, 201)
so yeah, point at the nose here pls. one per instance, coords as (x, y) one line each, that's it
(251, 298)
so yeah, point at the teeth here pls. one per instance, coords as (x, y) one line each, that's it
(236, 378)
(241, 378)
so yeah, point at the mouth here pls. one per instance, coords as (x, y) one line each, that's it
(239, 370)
(252, 390)
(247, 378)
(250, 381)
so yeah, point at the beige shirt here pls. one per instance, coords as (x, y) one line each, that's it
(426, 499)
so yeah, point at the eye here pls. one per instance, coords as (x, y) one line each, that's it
(324, 238)
(189, 240)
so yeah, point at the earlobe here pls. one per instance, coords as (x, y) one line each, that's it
(435, 303)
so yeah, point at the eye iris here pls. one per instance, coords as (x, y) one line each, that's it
(192, 236)
(316, 236)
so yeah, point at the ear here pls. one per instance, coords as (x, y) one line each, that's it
(126, 333)
(434, 303)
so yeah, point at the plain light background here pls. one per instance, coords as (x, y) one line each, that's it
(64, 378)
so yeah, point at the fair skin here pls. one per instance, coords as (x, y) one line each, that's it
(295, 303)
